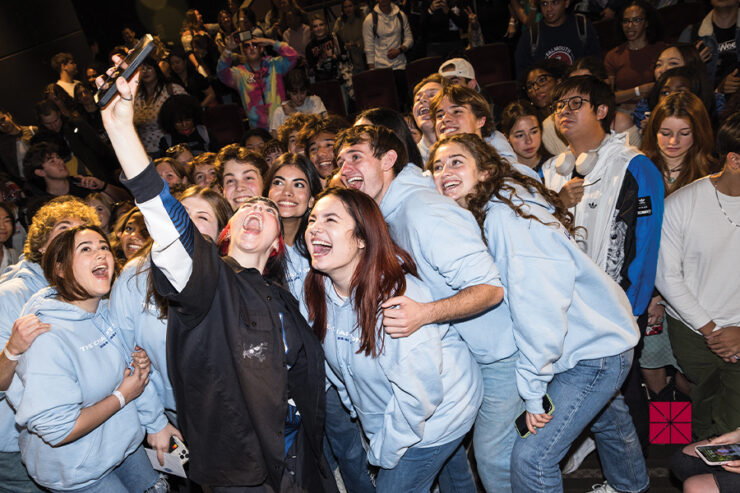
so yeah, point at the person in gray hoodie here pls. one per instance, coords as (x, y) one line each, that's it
(416, 397)
(17, 285)
(78, 387)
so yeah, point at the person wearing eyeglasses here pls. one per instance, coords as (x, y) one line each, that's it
(566, 37)
(630, 65)
(616, 194)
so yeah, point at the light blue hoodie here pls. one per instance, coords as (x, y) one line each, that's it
(443, 239)
(564, 307)
(422, 391)
(79, 362)
(140, 326)
(296, 271)
(18, 285)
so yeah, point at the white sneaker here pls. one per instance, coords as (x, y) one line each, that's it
(579, 455)
(602, 488)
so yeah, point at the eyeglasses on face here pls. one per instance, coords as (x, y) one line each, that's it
(573, 104)
(538, 82)
(634, 20)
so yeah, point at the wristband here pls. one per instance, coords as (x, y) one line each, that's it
(11, 356)
(637, 91)
(120, 397)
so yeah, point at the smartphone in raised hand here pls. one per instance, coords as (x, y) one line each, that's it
(125, 69)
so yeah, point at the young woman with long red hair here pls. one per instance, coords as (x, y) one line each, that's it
(416, 397)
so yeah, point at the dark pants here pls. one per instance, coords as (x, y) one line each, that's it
(634, 395)
(685, 466)
(715, 385)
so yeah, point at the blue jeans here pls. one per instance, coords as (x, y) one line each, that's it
(13, 475)
(134, 475)
(345, 444)
(494, 433)
(587, 391)
(419, 467)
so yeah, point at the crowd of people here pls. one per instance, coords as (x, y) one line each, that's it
(364, 305)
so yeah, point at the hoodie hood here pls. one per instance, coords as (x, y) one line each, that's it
(30, 272)
(394, 10)
(408, 182)
(45, 301)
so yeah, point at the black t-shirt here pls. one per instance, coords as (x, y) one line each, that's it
(727, 61)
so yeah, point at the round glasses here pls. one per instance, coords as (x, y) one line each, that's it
(573, 104)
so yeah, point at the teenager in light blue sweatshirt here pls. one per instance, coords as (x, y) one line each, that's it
(76, 383)
(416, 397)
(141, 317)
(573, 324)
(17, 285)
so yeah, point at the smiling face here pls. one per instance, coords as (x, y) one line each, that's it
(420, 110)
(241, 181)
(525, 137)
(6, 226)
(202, 215)
(331, 240)
(321, 153)
(92, 263)
(362, 171)
(255, 229)
(455, 172)
(675, 137)
(318, 28)
(134, 235)
(634, 23)
(668, 59)
(290, 191)
(452, 118)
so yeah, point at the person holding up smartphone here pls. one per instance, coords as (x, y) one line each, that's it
(569, 325)
(259, 81)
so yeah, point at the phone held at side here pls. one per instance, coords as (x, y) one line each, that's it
(716, 455)
(178, 449)
(521, 420)
(124, 69)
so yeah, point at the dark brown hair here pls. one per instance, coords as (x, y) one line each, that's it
(461, 95)
(380, 139)
(380, 273)
(241, 154)
(58, 261)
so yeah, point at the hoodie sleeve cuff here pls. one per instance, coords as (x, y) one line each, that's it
(158, 425)
(146, 185)
(534, 406)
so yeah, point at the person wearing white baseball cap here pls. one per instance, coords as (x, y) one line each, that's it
(459, 71)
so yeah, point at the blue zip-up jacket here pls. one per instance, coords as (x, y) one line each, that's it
(421, 391)
(564, 307)
(79, 362)
(17, 287)
(443, 239)
(140, 325)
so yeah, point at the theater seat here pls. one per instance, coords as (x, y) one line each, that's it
(675, 18)
(607, 32)
(375, 89)
(491, 62)
(418, 69)
(225, 123)
(502, 93)
(330, 92)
